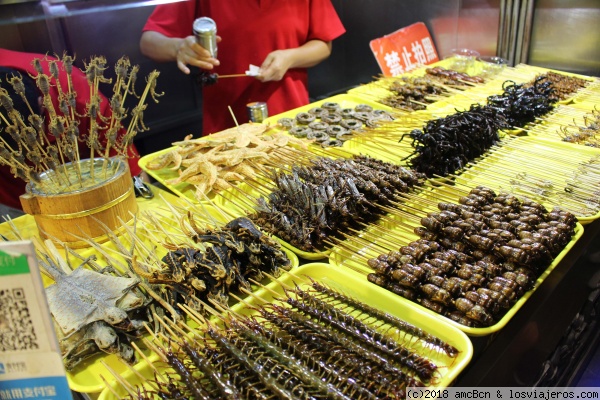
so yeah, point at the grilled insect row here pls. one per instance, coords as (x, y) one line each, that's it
(475, 259)
(446, 145)
(319, 201)
(232, 255)
(520, 104)
(563, 85)
(415, 93)
(311, 343)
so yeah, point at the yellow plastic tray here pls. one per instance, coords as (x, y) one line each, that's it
(534, 71)
(390, 233)
(351, 146)
(570, 117)
(353, 284)
(357, 263)
(590, 96)
(240, 203)
(86, 377)
(536, 164)
(164, 175)
(378, 90)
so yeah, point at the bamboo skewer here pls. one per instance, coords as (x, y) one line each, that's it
(232, 76)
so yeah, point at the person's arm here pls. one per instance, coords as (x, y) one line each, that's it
(278, 62)
(185, 51)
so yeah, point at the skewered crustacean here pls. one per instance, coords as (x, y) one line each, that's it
(93, 312)
(224, 260)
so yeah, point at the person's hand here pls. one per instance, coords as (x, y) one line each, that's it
(275, 66)
(191, 53)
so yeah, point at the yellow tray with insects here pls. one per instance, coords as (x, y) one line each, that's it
(569, 123)
(567, 84)
(407, 96)
(392, 231)
(338, 126)
(440, 351)
(196, 168)
(445, 283)
(314, 205)
(522, 167)
(168, 216)
(87, 377)
(242, 201)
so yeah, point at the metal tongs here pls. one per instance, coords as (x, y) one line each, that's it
(141, 189)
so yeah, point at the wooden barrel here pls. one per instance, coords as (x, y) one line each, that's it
(72, 216)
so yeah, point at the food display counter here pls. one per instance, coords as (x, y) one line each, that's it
(444, 262)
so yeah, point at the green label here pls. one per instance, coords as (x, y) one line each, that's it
(13, 264)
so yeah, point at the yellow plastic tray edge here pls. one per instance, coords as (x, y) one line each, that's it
(95, 368)
(509, 314)
(347, 282)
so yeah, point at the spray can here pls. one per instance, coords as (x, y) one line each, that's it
(205, 30)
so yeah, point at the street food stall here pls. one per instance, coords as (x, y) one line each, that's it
(429, 228)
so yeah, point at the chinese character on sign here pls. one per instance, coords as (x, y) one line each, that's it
(393, 63)
(404, 50)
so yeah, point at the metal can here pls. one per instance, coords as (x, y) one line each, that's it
(205, 30)
(257, 111)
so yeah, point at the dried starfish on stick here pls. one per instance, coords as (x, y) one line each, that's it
(214, 162)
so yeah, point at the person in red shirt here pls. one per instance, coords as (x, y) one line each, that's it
(283, 37)
(14, 63)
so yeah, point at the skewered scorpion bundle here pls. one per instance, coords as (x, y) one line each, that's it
(307, 344)
(231, 256)
(522, 104)
(318, 201)
(475, 259)
(446, 145)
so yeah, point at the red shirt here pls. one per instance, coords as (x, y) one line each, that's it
(11, 187)
(250, 30)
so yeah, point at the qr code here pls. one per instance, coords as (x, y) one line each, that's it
(16, 329)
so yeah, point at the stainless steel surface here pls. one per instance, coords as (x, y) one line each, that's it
(557, 34)
(205, 30)
(565, 36)
(257, 111)
(21, 11)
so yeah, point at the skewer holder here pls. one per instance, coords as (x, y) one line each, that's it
(82, 207)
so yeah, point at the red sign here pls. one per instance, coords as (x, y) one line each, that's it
(404, 50)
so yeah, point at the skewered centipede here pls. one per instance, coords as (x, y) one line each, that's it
(279, 352)
(390, 319)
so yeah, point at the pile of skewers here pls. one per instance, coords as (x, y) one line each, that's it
(34, 155)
